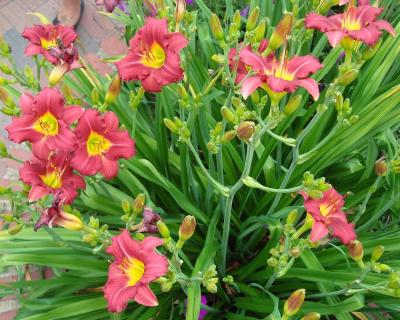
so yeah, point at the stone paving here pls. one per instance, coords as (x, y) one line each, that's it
(98, 37)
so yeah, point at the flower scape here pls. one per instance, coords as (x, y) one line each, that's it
(240, 162)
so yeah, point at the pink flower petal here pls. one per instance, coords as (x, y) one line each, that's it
(384, 25)
(26, 103)
(322, 23)
(145, 296)
(109, 168)
(303, 66)
(73, 113)
(311, 86)
(250, 85)
(50, 100)
(37, 192)
(334, 37)
(369, 35)
(318, 231)
(344, 231)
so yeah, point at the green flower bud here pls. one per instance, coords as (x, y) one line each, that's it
(245, 130)
(138, 203)
(293, 104)
(384, 267)
(3, 150)
(280, 34)
(95, 96)
(182, 92)
(292, 216)
(5, 68)
(171, 125)
(311, 316)
(252, 20)
(15, 229)
(294, 302)
(377, 253)
(228, 115)
(113, 91)
(228, 136)
(347, 74)
(163, 229)
(126, 206)
(259, 32)
(216, 28)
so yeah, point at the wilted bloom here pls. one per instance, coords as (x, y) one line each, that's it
(54, 42)
(109, 5)
(280, 76)
(52, 176)
(100, 144)
(136, 264)
(356, 23)
(328, 217)
(153, 56)
(45, 123)
(241, 68)
(149, 223)
(356, 250)
(56, 216)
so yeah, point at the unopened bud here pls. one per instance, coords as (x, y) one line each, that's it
(182, 92)
(292, 216)
(171, 125)
(57, 73)
(228, 136)
(294, 302)
(377, 253)
(381, 168)
(295, 252)
(216, 28)
(126, 206)
(356, 250)
(180, 10)
(5, 68)
(163, 229)
(255, 97)
(347, 74)
(4, 47)
(3, 150)
(260, 30)
(228, 115)
(311, 316)
(252, 20)
(384, 267)
(280, 34)
(245, 130)
(90, 238)
(235, 25)
(95, 96)
(113, 91)
(138, 203)
(15, 229)
(186, 230)
(293, 104)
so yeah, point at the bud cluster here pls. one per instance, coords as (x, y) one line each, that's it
(218, 137)
(210, 279)
(178, 127)
(94, 233)
(314, 187)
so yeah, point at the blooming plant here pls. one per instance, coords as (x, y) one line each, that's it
(240, 162)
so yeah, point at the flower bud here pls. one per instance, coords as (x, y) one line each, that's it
(384, 267)
(90, 238)
(295, 252)
(228, 115)
(186, 230)
(235, 25)
(381, 168)
(15, 229)
(163, 229)
(94, 96)
(260, 30)
(293, 104)
(69, 221)
(292, 216)
(245, 130)
(216, 28)
(182, 92)
(5, 68)
(211, 285)
(113, 91)
(347, 74)
(180, 10)
(294, 302)
(126, 206)
(356, 250)
(171, 125)
(57, 73)
(4, 47)
(311, 316)
(255, 97)
(279, 36)
(253, 19)
(138, 203)
(3, 150)
(228, 136)
(377, 253)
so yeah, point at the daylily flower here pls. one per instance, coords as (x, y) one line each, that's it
(101, 144)
(45, 123)
(136, 264)
(280, 76)
(153, 56)
(56, 216)
(329, 217)
(52, 176)
(54, 42)
(355, 24)
(242, 69)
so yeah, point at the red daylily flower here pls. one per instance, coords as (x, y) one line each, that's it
(280, 76)
(153, 56)
(56, 216)
(54, 42)
(101, 144)
(136, 264)
(356, 23)
(109, 5)
(45, 123)
(242, 69)
(329, 217)
(53, 176)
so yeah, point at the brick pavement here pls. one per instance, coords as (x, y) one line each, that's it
(98, 37)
